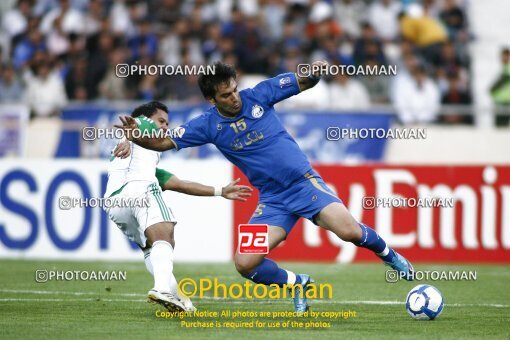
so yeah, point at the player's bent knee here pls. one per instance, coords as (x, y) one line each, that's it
(163, 231)
(348, 232)
(350, 235)
(245, 264)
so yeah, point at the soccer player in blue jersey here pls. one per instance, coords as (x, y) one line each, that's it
(247, 131)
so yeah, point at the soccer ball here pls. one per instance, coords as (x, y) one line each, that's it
(424, 302)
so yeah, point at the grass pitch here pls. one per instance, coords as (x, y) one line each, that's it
(115, 309)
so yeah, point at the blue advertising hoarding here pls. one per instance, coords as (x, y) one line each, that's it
(310, 130)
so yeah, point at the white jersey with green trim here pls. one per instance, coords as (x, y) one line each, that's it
(139, 166)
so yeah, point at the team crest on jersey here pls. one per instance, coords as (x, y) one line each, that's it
(284, 82)
(257, 111)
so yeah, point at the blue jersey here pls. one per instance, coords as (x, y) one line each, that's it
(255, 140)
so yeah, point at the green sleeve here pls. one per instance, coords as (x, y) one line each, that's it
(163, 176)
(145, 124)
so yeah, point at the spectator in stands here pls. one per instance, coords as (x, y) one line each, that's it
(15, 21)
(451, 64)
(57, 40)
(210, 44)
(166, 12)
(77, 47)
(94, 17)
(144, 43)
(431, 8)
(377, 85)
(368, 47)
(46, 94)
(457, 93)
(179, 87)
(197, 18)
(170, 44)
(72, 19)
(147, 89)
(262, 37)
(298, 13)
(383, 17)
(250, 47)
(226, 47)
(112, 86)
(80, 85)
(27, 47)
(425, 32)
(273, 12)
(454, 18)
(347, 93)
(350, 14)
(450, 60)
(321, 23)
(327, 49)
(288, 62)
(420, 101)
(124, 14)
(291, 37)
(185, 89)
(98, 48)
(11, 88)
(500, 90)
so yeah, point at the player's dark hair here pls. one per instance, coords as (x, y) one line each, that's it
(222, 75)
(148, 109)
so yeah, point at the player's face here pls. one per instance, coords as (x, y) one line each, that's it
(227, 99)
(160, 118)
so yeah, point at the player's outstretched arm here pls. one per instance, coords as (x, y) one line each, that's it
(232, 191)
(306, 83)
(152, 143)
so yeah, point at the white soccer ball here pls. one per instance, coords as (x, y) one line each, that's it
(424, 302)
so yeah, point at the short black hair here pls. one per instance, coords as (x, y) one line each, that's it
(148, 109)
(222, 75)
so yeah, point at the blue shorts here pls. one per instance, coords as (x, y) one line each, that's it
(303, 199)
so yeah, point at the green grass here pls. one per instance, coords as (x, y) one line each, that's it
(114, 309)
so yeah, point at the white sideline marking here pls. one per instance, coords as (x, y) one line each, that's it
(73, 300)
(205, 298)
(51, 292)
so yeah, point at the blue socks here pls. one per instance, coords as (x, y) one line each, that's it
(268, 272)
(372, 241)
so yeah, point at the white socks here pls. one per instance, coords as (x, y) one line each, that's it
(161, 259)
(385, 252)
(291, 278)
(173, 280)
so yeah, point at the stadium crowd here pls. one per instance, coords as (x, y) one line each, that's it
(56, 51)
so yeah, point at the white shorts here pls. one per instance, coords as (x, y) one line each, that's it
(149, 210)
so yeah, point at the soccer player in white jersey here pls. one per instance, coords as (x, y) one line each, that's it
(152, 226)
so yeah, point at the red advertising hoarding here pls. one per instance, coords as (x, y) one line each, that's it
(475, 228)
